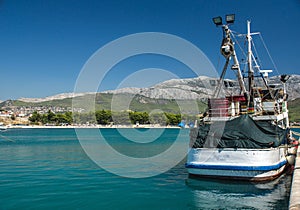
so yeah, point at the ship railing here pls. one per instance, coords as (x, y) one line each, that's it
(219, 112)
(265, 109)
(273, 107)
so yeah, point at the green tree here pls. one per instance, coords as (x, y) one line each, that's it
(35, 117)
(44, 119)
(121, 118)
(76, 118)
(13, 117)
(61, 119)
(158, 118)
(88, 118)
(103, 117)
(140, 117)
(50, 116)
(69, 117)
(173, 119)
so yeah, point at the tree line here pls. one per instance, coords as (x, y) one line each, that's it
(51, 118)
(107, 117)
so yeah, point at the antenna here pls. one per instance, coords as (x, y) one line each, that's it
(265, 73)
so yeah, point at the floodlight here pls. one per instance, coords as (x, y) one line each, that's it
(217, 21)
(284, 78)
(230, 18)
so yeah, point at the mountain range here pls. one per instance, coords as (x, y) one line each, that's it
(173, 96)
(179, 89)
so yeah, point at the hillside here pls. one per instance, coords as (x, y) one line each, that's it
(292, 85)
(294, 110)
(103, 101)
(163, 96)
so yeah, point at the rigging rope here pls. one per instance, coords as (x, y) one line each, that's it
(241, 49)
(256, 61)
(236, 41)
(275, 67)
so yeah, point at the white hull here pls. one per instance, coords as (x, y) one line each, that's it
(247, 164)
(2, 127)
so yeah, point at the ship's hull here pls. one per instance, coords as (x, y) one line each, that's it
(241, 164)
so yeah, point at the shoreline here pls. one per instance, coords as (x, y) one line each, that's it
(95, 126)
(87, 126)
(295, 126)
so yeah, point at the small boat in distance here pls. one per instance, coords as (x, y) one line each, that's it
(245, 133)
(3, 127)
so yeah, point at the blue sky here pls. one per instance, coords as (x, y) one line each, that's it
(45, 44)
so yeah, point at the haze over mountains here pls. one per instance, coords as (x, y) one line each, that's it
(182, 89)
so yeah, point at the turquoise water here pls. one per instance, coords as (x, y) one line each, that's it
(48, 169)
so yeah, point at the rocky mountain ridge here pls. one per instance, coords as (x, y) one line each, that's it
(54, 97)
(182, 89)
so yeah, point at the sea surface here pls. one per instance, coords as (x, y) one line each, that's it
(48, 169)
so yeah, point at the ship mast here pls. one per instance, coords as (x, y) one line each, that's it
(250, 69)
(228, 51)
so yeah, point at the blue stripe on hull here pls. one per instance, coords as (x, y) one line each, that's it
(237, 168)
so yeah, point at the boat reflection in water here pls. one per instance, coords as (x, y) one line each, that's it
(225, 194)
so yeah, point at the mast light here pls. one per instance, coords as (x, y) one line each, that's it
(218, 20)
(230, 18)
(284, 78)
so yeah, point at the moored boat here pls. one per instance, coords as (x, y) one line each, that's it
(245, 133)
(3, 127)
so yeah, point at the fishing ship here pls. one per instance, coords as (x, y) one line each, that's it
(244, 134)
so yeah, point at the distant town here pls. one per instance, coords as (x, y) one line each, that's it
(20, 115)
(62, 116)
(67, 116)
